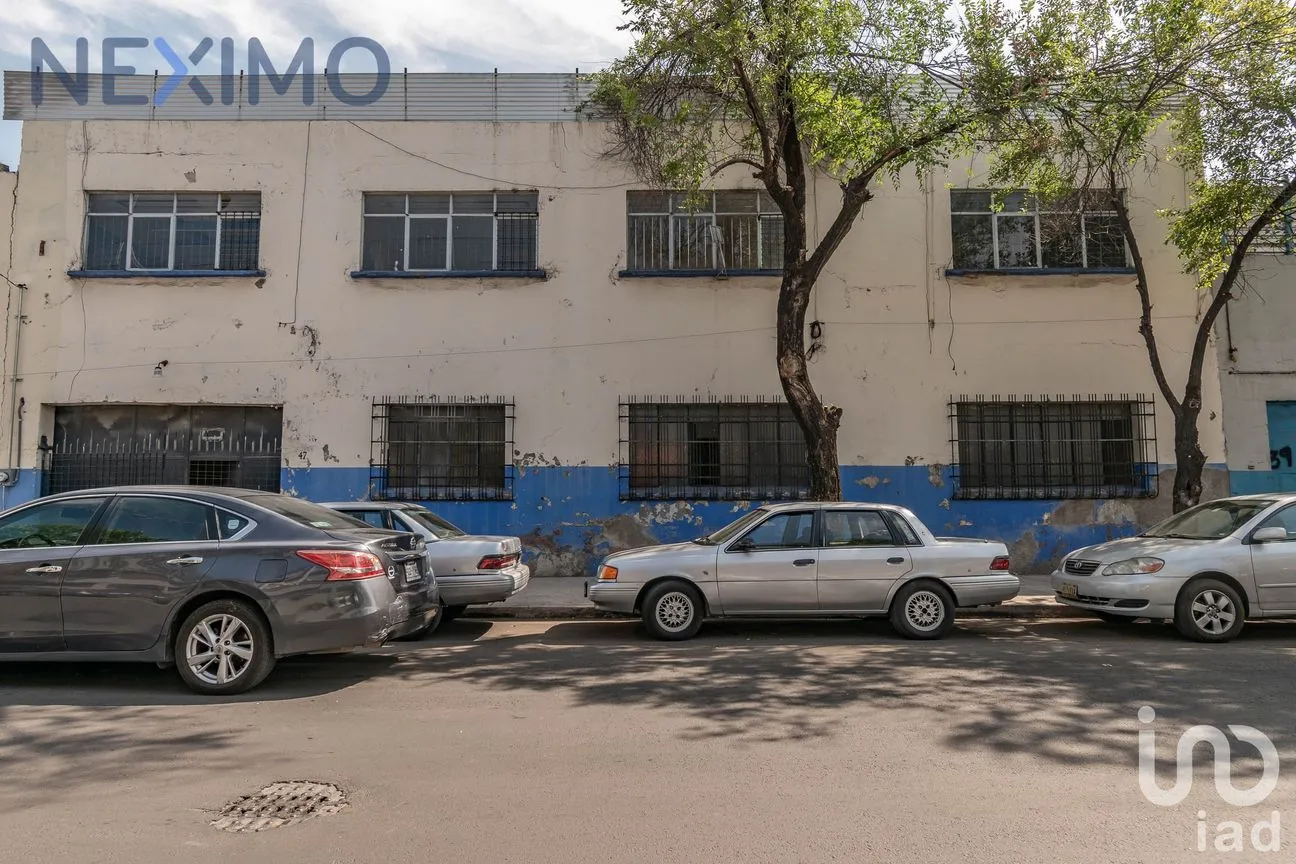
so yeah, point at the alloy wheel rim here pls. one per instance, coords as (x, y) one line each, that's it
(924, 610)
(674, 611)
(219, 649)
(1213, 612)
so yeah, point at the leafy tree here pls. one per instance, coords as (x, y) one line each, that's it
(1211, 83)
(861, 90)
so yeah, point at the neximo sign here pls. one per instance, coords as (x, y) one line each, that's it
(260, 70)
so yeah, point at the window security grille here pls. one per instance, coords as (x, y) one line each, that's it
(720, 231)
(432, 449)
(711, 450)
(1083, 447)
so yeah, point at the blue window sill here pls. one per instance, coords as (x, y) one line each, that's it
(449, 274)
(693, 274)
(161, 274)
(1046, 271)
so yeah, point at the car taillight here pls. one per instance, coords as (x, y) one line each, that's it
(1001, 564)
(345, 565)
(498, 562)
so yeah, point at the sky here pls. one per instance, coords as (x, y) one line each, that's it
(421, 35)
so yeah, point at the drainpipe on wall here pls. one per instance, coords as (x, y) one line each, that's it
(15, 428)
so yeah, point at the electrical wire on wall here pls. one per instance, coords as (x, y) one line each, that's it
(301, 224)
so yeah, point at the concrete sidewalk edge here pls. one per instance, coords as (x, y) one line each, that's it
(1043, 608)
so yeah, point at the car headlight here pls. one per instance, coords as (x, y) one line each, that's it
(1133, 567)
(607, 573)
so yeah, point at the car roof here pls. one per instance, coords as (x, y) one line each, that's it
(199, 491)
(836, 505)
(371, 505)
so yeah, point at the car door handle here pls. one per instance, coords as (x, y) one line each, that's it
(803, 562)
(47, 568)
(186, 561)
(895, 560)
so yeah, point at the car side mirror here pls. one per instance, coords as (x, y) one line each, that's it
(1269, 535)
(743, 545)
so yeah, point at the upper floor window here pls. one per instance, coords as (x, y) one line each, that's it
(151, 231)
(721, 231)
(478, 232)
(711, 450)
(430, 449)
(1080, 233)
(1043, 449)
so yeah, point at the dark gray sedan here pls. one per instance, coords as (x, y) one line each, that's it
(218, 582)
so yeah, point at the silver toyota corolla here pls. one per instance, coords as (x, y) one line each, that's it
(808, 560)
(1208, 569)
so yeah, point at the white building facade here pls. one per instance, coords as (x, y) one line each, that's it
(473, 309)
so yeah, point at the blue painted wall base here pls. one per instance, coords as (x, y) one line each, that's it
(569, 517)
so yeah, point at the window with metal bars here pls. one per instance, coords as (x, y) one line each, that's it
(1012, 230)
(714, 450)
(431, 449)
(1095, 447)
(164, 231)
(712, 233)
(469, 232)
(1278, 237)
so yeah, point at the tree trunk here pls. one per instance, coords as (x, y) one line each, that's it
(1190, 461)
(819, 423)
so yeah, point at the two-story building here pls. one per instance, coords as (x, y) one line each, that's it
(450, 296)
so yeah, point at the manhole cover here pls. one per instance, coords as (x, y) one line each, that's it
(280, 804)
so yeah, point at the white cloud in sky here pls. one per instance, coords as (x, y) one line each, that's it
(423, 35)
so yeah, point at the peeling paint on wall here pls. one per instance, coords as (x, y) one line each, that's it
(870, 481)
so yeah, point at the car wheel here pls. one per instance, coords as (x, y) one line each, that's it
(923, 611)
(224, 647)
(449, 613)
(672, 611)
(1111, 618)
(1209, 610)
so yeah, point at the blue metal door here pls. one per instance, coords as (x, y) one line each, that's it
(1282, 446)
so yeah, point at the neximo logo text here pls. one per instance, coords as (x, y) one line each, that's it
(261, 70)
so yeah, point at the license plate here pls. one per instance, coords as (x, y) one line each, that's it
(411, 572)
(1069, 590)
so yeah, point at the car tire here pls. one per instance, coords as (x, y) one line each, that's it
(1209, 610)
(923, 610)
(230, 624)
(672, 611)
(449, 613)
(1111, 618)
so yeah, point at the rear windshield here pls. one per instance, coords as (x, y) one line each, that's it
(306, 513)
(440, 528)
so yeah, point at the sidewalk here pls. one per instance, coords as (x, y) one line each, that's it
(555, 597)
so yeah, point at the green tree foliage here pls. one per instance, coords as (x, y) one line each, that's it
(1211, 83)
(860, 90)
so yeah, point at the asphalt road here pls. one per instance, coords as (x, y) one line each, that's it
(585, 742)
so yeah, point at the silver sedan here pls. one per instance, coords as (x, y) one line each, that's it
(808, 560)
(469, 569)
(1208, 569)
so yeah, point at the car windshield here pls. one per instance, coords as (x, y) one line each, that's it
(733, 529)
(306, 513)
(440, 528)
(1211, 521)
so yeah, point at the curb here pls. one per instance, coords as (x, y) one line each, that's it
(1027, 610)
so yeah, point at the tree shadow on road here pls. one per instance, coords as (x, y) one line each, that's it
(1066, 691)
